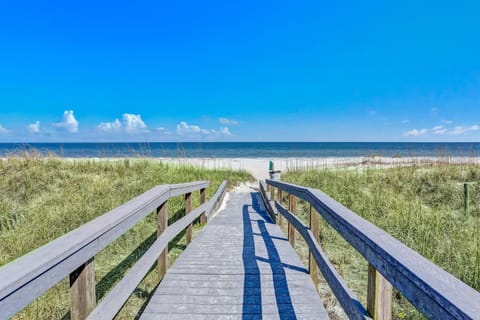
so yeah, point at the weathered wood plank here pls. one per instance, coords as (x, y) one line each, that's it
(240, 264)
(349, 302)
(203, 195)
(26, 278)
(188, 208)
(162, 224)
(312, 265)
(291, 229)
(433, 291)
(379, 295)
(82, 291)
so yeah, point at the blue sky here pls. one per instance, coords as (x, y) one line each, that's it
(241, 71)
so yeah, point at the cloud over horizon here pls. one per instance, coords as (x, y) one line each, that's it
(68, 122)
(34, 127)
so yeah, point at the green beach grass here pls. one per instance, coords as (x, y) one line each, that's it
(422, 206)
(44, 198)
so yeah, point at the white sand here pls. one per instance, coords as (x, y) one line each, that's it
(258, 167)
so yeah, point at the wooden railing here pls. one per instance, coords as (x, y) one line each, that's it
(432, 290)
(72, 255)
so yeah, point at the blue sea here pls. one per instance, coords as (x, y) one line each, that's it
(244, 149)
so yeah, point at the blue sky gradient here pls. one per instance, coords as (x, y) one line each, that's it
(243, 71)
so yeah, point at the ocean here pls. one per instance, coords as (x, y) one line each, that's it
(245, 149)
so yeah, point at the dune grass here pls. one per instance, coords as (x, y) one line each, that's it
(422, 206)
(43, 198)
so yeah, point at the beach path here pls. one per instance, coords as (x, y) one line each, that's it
(239, 266)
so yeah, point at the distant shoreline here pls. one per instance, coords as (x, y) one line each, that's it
(259, 167)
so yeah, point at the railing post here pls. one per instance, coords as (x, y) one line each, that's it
(312, 265)
(203, 217)
(291, 228)
(188, 208)
(82, 290)
(162, 224)
(379, 295)
(280, 199)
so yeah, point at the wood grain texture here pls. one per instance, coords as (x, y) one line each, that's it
(347, 299)
(82, 291)
(240, 266)
(26, 278)
(312, 265)
(291, 229)
(188, 209)
(432, 290)
(203, 197)
(379, 295)
(162, 224)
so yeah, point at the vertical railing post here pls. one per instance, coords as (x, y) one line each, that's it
(162, 224)
(280, 199)
(312, 265)
(203, 217)
(82, 290)
(379, 295)
(291, 228)
(188, 208)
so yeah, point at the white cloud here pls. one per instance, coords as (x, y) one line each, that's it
(110, 126)
(3, 130)
(228, 121)
(133, 123)
(415, 132)
(68, 122)
(458, 130)
(34, 127)
(225, 131)
(439, 130)
(184, 128)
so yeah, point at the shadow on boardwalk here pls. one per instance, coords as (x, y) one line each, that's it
(252, 299)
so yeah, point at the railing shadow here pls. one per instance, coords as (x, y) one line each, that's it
(107, 282)
(252, 292)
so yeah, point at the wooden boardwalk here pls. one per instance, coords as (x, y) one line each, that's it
(240, 266)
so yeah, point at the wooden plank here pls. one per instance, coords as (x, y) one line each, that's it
(162, 224)
(188, 208)
(82, 291)
(379, 295)
(112, 303)
(349, 302)
(26, 278)
(203, 194)
(240, 264)
(312, 265)
(291, 229)
(432, 290)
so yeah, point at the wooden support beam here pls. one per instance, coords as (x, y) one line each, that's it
(188, 208)
(291, 228)
(379, 295)
(82, 291)
(203, 194)
(312, 265)
(162, 224)
(280, 199)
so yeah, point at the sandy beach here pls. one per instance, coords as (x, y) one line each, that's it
(259, 167)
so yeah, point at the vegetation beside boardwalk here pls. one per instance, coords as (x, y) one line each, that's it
(44, 198)
(422, 206)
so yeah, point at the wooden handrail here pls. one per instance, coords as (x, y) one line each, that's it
(26, 278)
(433, 291)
